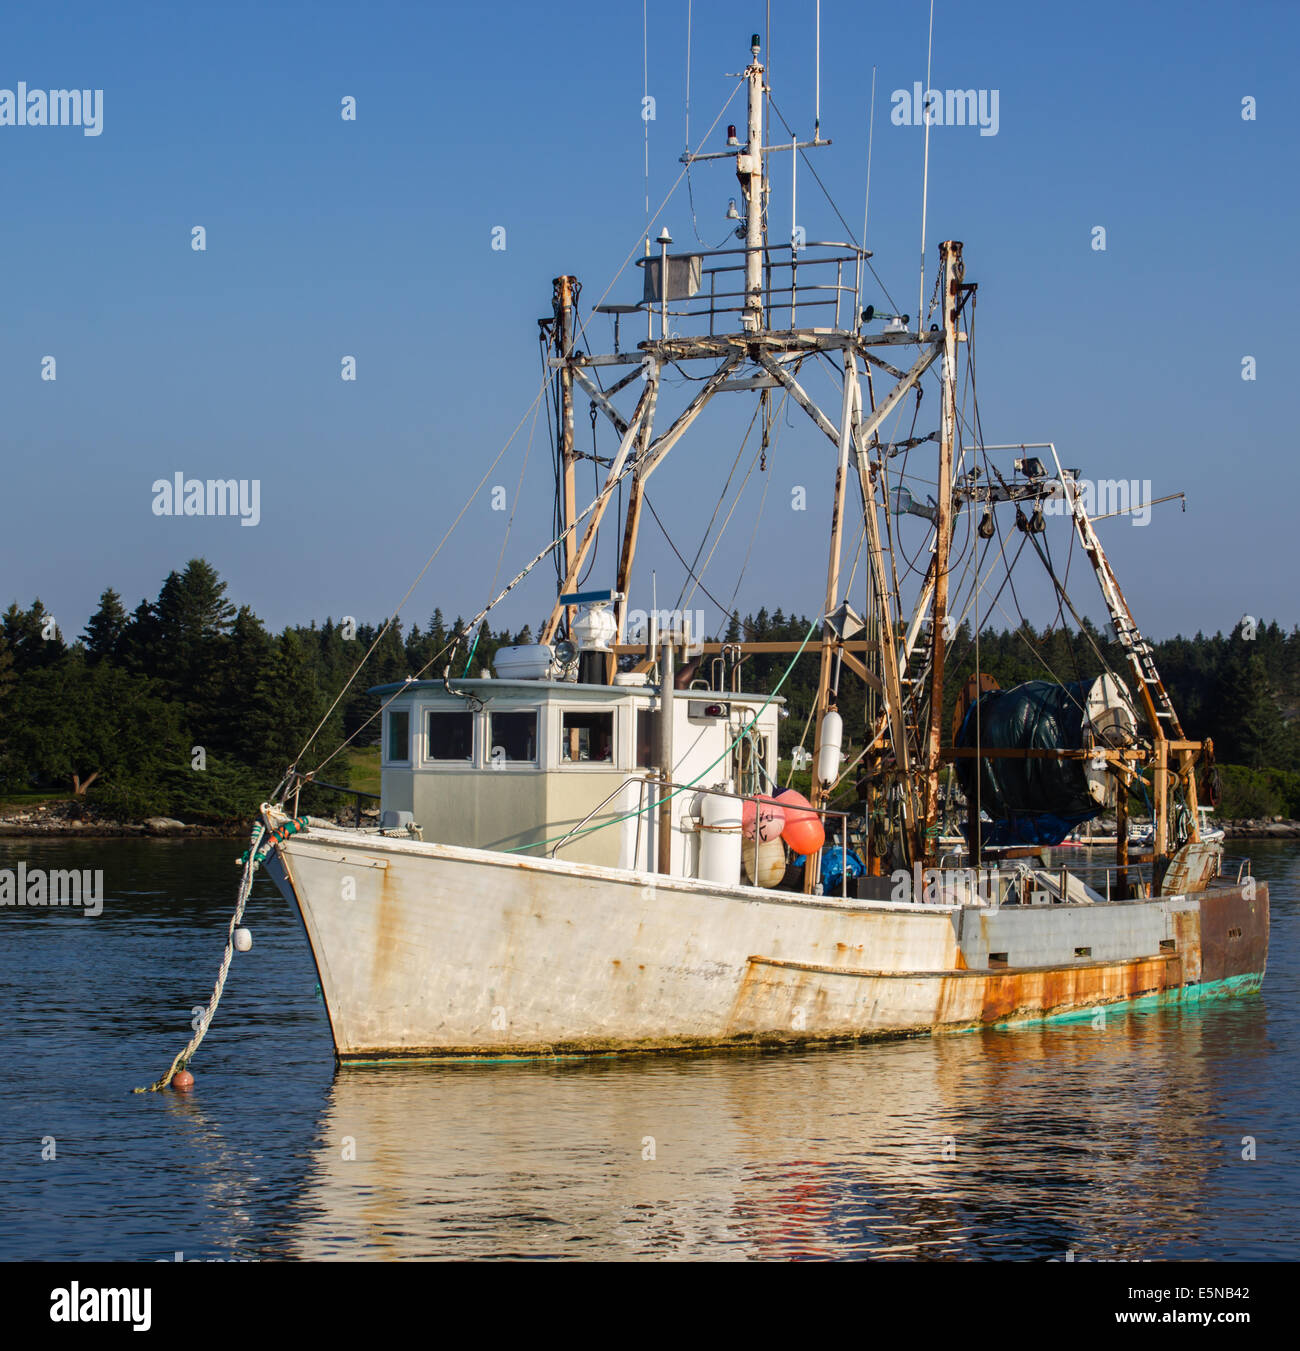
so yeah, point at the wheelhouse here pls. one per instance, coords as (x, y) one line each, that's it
(508, 764)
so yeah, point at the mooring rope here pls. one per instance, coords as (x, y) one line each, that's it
(250, 860)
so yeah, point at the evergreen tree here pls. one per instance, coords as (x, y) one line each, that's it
(1251, 731)
(138, 649)
(106, 628)
(35, 640)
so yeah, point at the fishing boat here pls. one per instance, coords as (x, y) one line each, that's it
(587, 849)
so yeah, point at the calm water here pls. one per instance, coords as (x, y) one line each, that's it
(1125, 1142)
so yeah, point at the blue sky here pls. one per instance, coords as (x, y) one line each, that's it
(372, 238)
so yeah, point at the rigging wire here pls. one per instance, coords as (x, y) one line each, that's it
(392, 619)
(853, 239)
(646, 498)
(762, 502)
(722, 497)
(514, 506)
(542, 393)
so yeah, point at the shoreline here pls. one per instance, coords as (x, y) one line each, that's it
(70, 821)
(65, 821)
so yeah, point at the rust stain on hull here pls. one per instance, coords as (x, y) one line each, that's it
(1009, 994)
(1234, 931)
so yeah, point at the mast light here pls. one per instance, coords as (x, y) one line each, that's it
(896, 323)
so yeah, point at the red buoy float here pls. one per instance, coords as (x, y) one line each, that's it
(182, 1080)
(765, 816)
(803, 830)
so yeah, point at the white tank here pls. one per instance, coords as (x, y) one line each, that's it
(828, 757)
(764, 866)
(530, 662)
(720, 825)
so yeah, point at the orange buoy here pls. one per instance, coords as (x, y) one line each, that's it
(803, 830)
(182, 1080)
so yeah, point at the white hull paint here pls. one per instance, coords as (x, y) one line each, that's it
(428, 950)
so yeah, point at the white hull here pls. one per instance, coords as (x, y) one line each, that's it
(428, 950)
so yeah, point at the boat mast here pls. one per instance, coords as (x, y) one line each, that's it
(750, 171)
(953, 272)
(563, 304)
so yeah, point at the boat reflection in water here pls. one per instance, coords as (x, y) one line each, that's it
(1099, 1141)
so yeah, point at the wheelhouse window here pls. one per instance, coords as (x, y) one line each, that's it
(586, 736)
(399, 735)
(513, 738)
(647, 725)
(450, 735)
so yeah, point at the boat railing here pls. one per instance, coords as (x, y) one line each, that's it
(842, 846)
(1135, 884)
(356, 793)
(641, 780)
(819, 279)
(644, 780)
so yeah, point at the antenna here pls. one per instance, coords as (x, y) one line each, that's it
(794, 200)
(645, 94)
(688, 75)
(817, 83)
(866, 205)
(925, 179)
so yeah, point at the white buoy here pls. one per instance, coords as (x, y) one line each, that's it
(828, 757)
(243, 940)
(764, 862)
(720, 826)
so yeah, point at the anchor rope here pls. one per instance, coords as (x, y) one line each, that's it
(250, 860)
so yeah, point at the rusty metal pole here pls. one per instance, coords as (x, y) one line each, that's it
(1121, 839)
(953, 271)
(664, 756)
(1160, 834)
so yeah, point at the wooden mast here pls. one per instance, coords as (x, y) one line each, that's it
(826, 698)
(953, 271)
(563, 302)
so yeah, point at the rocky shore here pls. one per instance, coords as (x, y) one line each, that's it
(1266, 828)
(80, 819)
